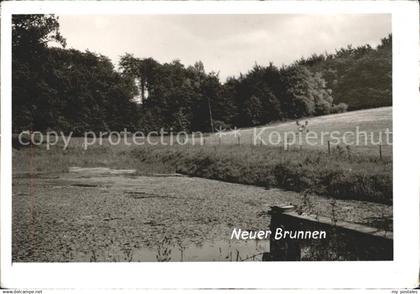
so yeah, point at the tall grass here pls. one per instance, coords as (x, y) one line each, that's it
(337, 175)
(36, 160)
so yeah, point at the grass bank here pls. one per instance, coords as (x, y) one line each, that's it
(340, 175)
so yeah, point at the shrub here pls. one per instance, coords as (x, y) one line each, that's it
(339, 108)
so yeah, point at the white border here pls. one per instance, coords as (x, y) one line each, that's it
(402, 272)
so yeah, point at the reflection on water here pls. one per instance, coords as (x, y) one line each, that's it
(250, 250)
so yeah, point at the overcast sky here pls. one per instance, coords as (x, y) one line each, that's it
(227, 43)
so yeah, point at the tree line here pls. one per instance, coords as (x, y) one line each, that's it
(69, 90)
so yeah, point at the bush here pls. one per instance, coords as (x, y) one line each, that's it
(339, 108)
(218, 124)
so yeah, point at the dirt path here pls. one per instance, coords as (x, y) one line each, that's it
(104, 215)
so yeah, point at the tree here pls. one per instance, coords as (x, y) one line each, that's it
(34, 32)
(30, 37)
(64, 90)
(77, 91)
(303, 93)
(271, 108)
(253, 110)
(360, 77)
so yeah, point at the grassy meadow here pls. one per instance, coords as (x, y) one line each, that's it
(373, 121)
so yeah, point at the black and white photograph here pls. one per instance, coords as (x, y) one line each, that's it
(202, 137)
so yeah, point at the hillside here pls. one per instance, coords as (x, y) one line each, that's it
(373, 121)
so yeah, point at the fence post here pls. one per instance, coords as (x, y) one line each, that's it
(329, 147)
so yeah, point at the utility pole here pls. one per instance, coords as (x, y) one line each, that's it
(211, 117)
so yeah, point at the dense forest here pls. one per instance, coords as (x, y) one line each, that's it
(69, 90)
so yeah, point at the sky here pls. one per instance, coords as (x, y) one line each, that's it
(228, 44)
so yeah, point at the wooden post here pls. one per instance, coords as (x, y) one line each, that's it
(380, 151)
(329, 147)
(239, 140)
